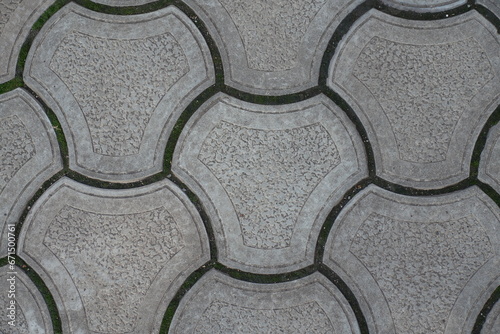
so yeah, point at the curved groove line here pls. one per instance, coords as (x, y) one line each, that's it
(348, 295)
(423, 16)
(481, 142)
(481, 317)
(488, 15)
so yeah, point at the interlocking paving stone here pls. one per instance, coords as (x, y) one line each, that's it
(492, 323)
(118, 84)
(425, 5)
(29, 155)
(16, 19)
(492, 5)
(123, 3)
(268, 176)
(113, 258)
(418, 264)
(220, 304)
(272, 47)
(489, 167)
(31, 315)
(422, 89)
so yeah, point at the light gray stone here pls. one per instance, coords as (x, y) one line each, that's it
(123, 3)
(16, 19)
(422, 89)
(272, 47)
(113, 258)
(423, 6)
(489, 167)
(492, 323)
(220, 304)
(29, 156)
(31, 313)
(418, 264)
(268, 176)
(492, 5)
(118, 85)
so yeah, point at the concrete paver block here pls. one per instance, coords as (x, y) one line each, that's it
(123, 3)
(489, 167)
(16, 19)
(272, 47)
(113, 258)
(118, 85)
(422, 89)
(268, 176)
(418, 264)
(492, 5)
(30, 312)
(29, 155)
(220, 304)
(425, 6)
(492, 323)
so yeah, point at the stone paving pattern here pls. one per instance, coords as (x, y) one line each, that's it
(219, 166)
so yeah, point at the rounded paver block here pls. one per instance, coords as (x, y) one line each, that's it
(272, 47)
(418, 264)
(123, 3)
(118, 85)
(113, 258)
(28, 314)
(268, 176)
(220, 304)
(492, 323)
(422, 89)
(492, 5)
(29, 155)
(16, 19)
(423, 6)
(489, 167)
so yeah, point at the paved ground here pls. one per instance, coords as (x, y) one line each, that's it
(226, 166)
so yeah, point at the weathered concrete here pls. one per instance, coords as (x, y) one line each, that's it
(418, 264)
(30, 311)
(118, 85)
(113, 259)
(268, 176)
(425, 6)
(489, 167)
(492, 323)
(123, 3)
(220, 304)
(492, 5)
(272, 47)
(29, 156)
(16, 19)
(422, 89)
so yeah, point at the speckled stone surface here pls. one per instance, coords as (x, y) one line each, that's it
(422, 89)
(220, 304)
(268, 176)
(29, 308)
(489, 168)
(272, 47)
(29, 155)
(113, 258)
(425, 6)
(418, 264)
(118, 84)
(16, 19)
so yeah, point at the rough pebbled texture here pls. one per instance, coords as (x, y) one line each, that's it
(7, 7)
(413, 262)
(256, 168)
(413, 82)
(272, 31)
(89, 65)
(222, 317)
(16, 148)
(113, 271)
(218, 304)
